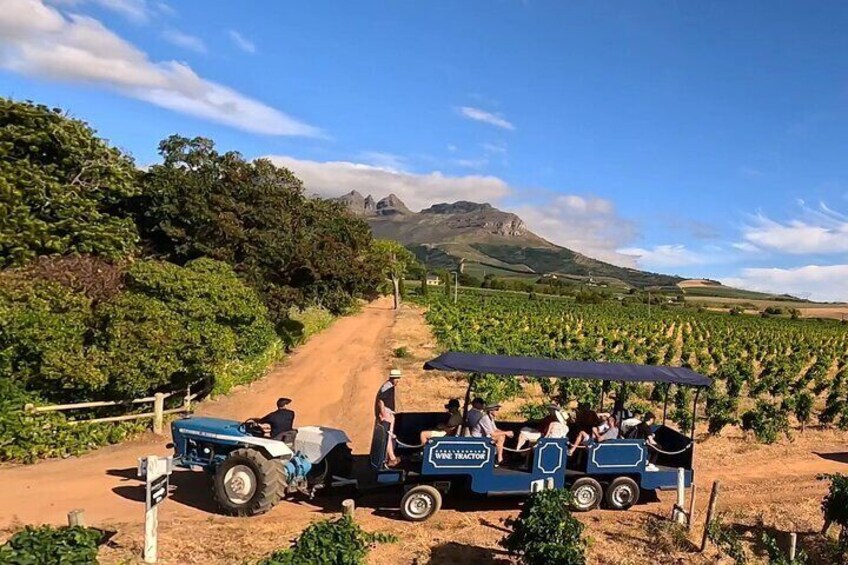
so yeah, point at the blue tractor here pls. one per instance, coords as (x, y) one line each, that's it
(251, 473)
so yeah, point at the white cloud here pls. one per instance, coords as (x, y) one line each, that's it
(812, 281)
(184, 40)
(242, 42)
(384, 160)
(588, 225)
(819, 231)
(664, 256)
(38, 40)
(139, 11)
(334, 178)
(486, 117)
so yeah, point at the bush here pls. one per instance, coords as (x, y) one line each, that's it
(329, 542)
(835, 506)
(46, 544)
(62, 189)
(401, 353)
(727, 540)
(545, 532)
(721, 412)
(767, 421)
(777, 556)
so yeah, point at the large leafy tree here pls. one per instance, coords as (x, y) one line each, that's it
(256, 217)
(62, 189)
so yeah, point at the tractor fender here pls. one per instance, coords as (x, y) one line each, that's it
(272, 449)
(315, 442)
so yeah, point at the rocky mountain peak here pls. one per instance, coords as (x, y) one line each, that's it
(390, 206)
(459, 207)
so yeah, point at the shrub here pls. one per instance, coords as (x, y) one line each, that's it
(329, 542)
(721, 412)
(802, 405)
(727, 540)
(62, 189)
(401, 352)
(668, 536)
(45, 544)
(545, 532)
(776, 555)
(835, 506)
(766, 420)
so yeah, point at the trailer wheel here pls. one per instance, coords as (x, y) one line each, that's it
(588, 494)
(247, 483)
(622, 493)
(420, 503)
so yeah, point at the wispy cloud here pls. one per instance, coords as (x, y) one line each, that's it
(184, 40)
(479, 115)
(820, 230)
(810, 281)
(665, 256)
(384, 160)
(39, 40)
(242, 42)
(138, 11)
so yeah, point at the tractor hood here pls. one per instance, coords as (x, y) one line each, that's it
(225, 432)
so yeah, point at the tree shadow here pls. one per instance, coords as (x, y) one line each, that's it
(188, 488)
(452, 553)
(837, 457)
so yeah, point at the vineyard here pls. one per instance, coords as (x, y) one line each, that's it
(767, 372)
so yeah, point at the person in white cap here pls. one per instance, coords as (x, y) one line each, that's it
(384, 410)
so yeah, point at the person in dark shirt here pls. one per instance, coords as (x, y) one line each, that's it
(280, 420)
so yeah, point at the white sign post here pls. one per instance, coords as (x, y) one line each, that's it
(155, 471)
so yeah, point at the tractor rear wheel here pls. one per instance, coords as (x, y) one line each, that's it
(339, 463)
(247, 483)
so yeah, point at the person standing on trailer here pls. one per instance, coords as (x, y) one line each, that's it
(384, 411)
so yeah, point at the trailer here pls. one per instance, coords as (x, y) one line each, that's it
(614, 472)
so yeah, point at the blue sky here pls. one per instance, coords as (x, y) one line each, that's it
(696, 138)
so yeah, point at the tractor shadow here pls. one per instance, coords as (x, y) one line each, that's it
(189, 488)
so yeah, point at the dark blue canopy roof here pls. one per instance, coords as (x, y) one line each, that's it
(540, 367)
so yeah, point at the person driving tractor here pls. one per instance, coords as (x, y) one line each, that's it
(278, 424)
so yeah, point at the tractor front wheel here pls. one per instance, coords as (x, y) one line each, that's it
(247, 483)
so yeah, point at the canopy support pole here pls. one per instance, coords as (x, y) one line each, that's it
(604, 385)
(467, 402)
(665, 402)
(695, 413)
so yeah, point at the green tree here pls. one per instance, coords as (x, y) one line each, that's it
(393, 260)
(545, 532)
(255, 216)
(62, 189)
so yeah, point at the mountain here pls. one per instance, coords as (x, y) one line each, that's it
(488, 240)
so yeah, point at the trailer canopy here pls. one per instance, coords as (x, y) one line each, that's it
(563, 369)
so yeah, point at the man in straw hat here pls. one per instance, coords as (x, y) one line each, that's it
(384, 411)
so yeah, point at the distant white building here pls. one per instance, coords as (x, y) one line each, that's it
(433, 280)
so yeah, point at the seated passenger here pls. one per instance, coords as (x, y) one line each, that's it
(600, 433)
(585, 418)
(451, 427)
(644, 431)
(627, 424)
(490, 430)
(552, 426)
(474, 416)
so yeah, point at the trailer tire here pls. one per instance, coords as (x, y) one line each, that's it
(247, 483)
(588, 494)
(420, 503)
(622, 493)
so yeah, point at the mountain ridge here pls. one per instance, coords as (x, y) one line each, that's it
(447, 234)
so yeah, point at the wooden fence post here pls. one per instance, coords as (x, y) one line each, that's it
(158, 413)
(793, 546)
(710, 511)
(187, 402)
(76, 518)
(348, 507)
(678, 514)
(692, 506)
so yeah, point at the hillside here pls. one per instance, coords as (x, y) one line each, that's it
(486, 239)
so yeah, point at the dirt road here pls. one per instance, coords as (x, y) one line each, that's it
(332, 380)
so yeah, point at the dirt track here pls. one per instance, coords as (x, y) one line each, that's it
(332, 380)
